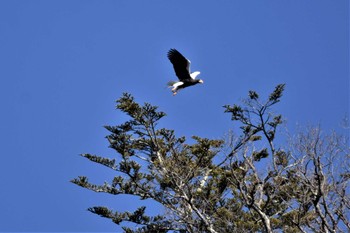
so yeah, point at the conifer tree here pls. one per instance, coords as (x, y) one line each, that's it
(244, 183)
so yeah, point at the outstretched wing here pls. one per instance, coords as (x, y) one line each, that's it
(180, 63)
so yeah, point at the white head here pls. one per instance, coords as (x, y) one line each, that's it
(194, 74)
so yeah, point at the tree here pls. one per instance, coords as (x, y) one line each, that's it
(244, 183)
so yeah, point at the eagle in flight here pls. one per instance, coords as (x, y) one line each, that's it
(182, 71)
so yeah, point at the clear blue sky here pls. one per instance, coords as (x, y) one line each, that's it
(64, 63)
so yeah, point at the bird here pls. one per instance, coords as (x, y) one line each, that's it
(182, 71)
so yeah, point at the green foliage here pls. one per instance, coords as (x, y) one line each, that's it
(258, 155)
(243, 184)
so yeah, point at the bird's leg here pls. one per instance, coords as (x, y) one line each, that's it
(174, 90)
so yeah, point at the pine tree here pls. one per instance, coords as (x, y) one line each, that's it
(243, 183)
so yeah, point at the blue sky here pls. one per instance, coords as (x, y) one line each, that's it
(64, 63)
